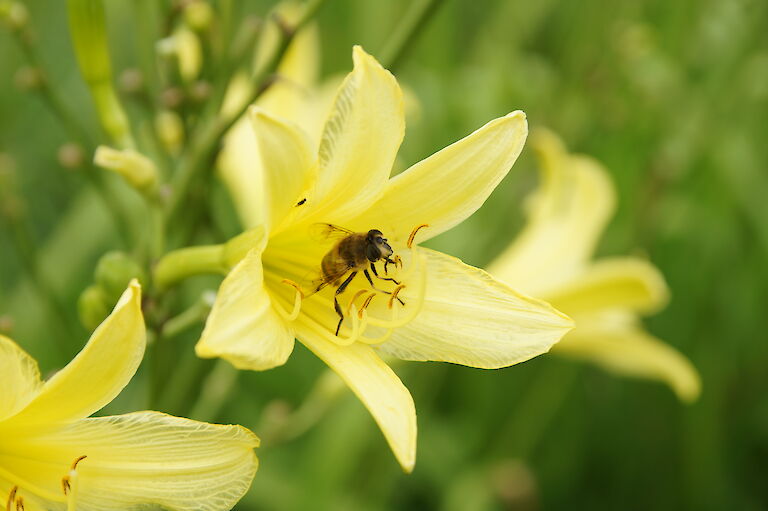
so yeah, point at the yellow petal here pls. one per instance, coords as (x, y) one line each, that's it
(374, 382)
(99, 372)
(243, 326)
(629, 351)
(471, 319)
(450, 185)
(615, 283)
(21, 378)
(287, 161)
(567, 214)
(360, 140)
(299, 67)
(240, 169)
(137, 460)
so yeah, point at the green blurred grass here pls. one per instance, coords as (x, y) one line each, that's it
(671, 96)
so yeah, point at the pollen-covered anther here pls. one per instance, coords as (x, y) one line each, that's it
(297, 299)
(11, 498)
(413, 234)
(69, 484)
(366, 303)
(398, 261)
(395, 292)
(354, 299)
(19, 503)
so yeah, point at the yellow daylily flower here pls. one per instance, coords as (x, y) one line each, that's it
(551, 258)
(53, 457)
(450, 311)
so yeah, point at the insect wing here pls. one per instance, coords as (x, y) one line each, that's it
(323, 232)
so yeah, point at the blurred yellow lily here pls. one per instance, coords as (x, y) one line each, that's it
(551, 258)
(452, 312)
(53, 457)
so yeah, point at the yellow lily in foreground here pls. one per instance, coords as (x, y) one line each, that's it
(551, 258)
(53, 457)
(437, 308)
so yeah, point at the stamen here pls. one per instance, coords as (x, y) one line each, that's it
(19, 503)
(413, 234)
(297, 298)
(354, 298)
(11, 498)
(394, 295)
(398, 261)
(29, 487)
(359, 324)
(413, 308)
(366, 303)
(69, 484)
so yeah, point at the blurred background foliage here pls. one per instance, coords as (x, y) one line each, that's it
(671, 96)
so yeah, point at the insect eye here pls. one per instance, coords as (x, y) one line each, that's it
(379, 239)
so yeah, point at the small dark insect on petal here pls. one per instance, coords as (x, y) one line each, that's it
(302, 201)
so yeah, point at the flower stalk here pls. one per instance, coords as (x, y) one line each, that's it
(87, 23)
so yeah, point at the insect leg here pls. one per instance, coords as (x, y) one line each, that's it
(370, 281)
(336, 305)
(373, 269)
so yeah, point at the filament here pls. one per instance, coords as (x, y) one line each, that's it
(359, 324)
(413, 310)
(297, 299)
(352, 301)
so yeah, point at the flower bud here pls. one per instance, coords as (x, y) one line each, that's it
(137, 169)
(170, 130)
(6, 324)
(14, 13)
(131, 81)
(198, 15)
(92, 307)
(114, 272)
(70, 156)
(28, 79)
(185, 46)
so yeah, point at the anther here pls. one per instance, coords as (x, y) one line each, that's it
(413, 234)
(11, 498)
(366, 303)
(394, 295)
(354, 298)
(398, 261)
(20, 504)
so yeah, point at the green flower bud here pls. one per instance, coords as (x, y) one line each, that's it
(113, 273)
(198, 15)
(14, 13)
(170, 129)
(134, 167)
(93, 306)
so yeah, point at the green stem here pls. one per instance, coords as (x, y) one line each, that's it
(186, 262)
(191, 317)
(205, 143)
(405, 34)
(219, 384)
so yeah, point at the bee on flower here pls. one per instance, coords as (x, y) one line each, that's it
(434, 307)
